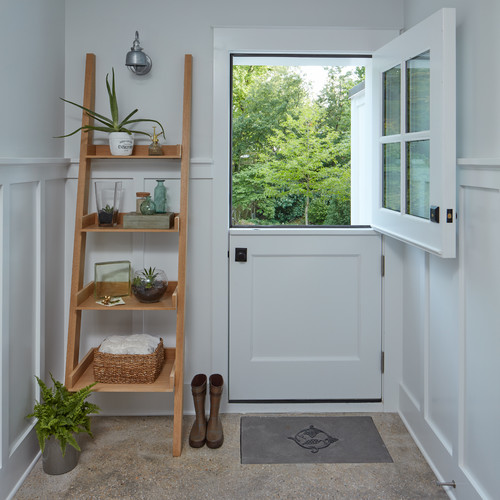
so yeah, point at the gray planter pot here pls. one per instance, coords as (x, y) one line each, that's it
(53, 461)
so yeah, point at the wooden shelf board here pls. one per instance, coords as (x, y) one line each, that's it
(164, 382)
(96, 151)
(168, 302)
(89, 224)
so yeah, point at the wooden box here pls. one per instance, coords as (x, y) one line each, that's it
(155, 221)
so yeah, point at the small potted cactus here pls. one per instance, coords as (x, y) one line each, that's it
(149, 285)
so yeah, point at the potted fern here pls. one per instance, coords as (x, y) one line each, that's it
(121, 140)
(61, 416)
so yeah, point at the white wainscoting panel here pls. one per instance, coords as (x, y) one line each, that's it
(480, 434)
(142, 250)
(448, 396)
(23, 277)
(32, 208)
(415, 322)
(442, 350)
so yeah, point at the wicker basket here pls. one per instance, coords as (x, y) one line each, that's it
(128, 368)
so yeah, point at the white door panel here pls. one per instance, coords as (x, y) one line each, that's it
(305, 317)
(436, 37)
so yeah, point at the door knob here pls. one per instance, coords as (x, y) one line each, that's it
(240, 254)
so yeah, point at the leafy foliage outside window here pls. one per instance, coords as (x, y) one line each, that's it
(291, 150)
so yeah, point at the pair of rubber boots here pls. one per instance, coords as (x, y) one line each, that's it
(203, 432)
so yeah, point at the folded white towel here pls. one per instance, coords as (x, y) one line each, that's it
(139, 343)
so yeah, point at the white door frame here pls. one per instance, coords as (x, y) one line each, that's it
(279, 41)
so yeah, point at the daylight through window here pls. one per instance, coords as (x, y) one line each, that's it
(291, 140)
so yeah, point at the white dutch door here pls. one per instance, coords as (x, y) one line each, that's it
(305, 302)
(305, 317)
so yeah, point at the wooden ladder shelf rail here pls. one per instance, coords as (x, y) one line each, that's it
(79, 371)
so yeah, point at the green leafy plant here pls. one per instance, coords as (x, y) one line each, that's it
(112, 124)
(146, 278)
(108, 209)
(149, 285)
(62, 414)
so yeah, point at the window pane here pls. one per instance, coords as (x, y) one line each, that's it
(392, 176)
(418, 92)
(392, 100)
(418, 176)
(291, 141)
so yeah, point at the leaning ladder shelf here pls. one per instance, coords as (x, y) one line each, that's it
(79, 370)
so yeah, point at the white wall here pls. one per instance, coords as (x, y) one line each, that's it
(32, 205)
(167, 31)
(478, 74)
(450, 350)
(448, 359)
(32, 78)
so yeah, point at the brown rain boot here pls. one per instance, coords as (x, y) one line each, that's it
(197, 436)
(215, 436)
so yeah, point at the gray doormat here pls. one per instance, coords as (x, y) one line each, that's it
(296, 440)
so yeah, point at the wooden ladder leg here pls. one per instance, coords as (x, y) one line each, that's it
(177, 437)
(183, 231)
(82, 200)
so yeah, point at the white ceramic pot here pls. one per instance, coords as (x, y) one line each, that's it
(121, 143)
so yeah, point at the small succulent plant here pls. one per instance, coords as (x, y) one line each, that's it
(147, 277)
(149, 285)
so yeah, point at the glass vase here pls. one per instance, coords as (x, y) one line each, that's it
(148, 206)
(160, 198)
(108, 197)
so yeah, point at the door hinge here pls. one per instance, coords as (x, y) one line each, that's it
(382, 269)
(228, 254)
(382, 361)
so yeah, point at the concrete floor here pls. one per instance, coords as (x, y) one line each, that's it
(131, 458)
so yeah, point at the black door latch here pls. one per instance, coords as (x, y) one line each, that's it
(240, 254)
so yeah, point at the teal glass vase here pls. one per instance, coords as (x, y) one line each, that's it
(148, 206)
(160, 197)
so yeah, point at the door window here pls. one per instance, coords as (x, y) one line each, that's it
(415, 157)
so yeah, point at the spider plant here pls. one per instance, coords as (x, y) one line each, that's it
(112, 124)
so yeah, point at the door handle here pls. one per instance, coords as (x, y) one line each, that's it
(240, 254)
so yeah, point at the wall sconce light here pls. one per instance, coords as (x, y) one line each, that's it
(136, 60)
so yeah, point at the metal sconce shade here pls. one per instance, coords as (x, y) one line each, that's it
(136, 60)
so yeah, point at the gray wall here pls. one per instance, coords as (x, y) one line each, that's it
(32, 203)
(168, 30)
(478, 73)
(32, 34)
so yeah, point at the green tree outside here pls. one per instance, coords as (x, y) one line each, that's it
(291, 151)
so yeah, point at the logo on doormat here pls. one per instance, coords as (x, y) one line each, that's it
(313, 439)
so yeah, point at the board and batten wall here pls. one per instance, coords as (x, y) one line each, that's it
(175, 29)
(449, 313)
(32, 205)
(449, 398)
